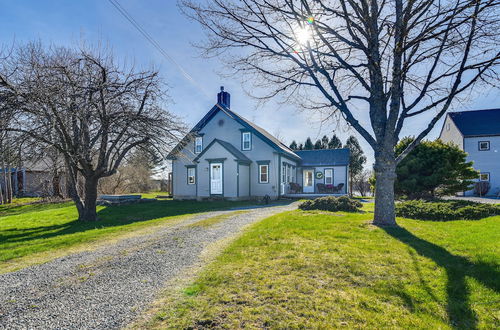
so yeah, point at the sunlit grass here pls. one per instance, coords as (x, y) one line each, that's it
(308, 269)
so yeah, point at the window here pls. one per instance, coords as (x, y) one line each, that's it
(288, 170)
(484, 145)
(328, 176)
(484, 177)
(283, 173)
(198, 145)
(246, 141)
(263, 173)
(191, 175)
(448, 126)
(293, 174)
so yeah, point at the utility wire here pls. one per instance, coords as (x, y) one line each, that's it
(149, 38)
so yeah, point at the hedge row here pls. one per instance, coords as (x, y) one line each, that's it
(445, 210)
(332, 204)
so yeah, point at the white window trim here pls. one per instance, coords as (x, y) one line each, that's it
(249, 134)
(191, 175)
(331, 171)
(487, 174)
(267, 173)
(196, 144)
(487, 148)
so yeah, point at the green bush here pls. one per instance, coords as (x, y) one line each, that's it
(332, 204)
(445, 210)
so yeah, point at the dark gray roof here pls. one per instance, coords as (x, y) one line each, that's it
(229, 147)
(477, 122)
(324, 157)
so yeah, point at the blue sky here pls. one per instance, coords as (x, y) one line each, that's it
(68, 22)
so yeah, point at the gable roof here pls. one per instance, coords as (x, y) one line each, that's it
(477, 122)
(257, 130)
(229, 147)
(324, 157)
(265, 135)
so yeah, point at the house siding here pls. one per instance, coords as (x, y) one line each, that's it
(244, 181)
(221, 131)
(225, 128)
(450, 133)
(183, 190)
(485, 161)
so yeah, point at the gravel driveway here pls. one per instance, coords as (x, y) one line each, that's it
(109, 287)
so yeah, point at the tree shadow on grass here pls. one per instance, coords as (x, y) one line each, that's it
(113, 216)
(457, 269)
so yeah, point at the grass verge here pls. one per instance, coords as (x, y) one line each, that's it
(310, 269)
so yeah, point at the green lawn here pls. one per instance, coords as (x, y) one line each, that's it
(39, 232)
(309, 269)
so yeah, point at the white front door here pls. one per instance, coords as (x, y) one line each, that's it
(308, 181)
(216, 178)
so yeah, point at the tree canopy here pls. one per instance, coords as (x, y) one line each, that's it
(89, 109)
(433, 168)
(308, 145)
(334, 143)
(324, 143)
(396, 61)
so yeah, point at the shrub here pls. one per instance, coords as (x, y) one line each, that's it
(445, 210)
(332, 204)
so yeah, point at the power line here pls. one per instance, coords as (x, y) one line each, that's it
(149, 38)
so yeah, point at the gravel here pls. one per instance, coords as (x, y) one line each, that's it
(109, 287)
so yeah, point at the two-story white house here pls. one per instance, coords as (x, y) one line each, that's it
(227, 156)
(478, 134)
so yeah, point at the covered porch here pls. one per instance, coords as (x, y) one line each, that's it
(310, 195)
(323, 172)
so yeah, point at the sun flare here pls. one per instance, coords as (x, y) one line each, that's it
(303, 35)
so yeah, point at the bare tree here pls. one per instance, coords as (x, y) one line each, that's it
(88, 108)
(9, 143)
(361, 184)
(397, 59)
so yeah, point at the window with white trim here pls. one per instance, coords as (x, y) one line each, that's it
(484, 145)
(484, 177)
(328, 176)
(198, 145)
(264, 173)
(191, 175)
(246, 140)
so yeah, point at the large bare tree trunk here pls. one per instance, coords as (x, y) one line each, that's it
(385, 175)
(88, 212)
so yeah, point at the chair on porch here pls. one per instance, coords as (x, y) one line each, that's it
(295, 188)
(338, 188)
(324, 189)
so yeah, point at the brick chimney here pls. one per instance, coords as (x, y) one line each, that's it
(224, 98)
